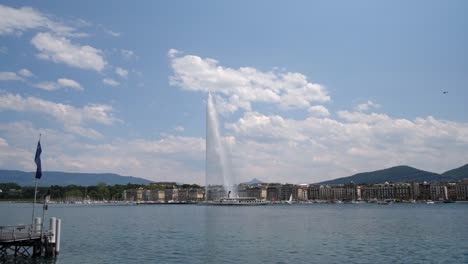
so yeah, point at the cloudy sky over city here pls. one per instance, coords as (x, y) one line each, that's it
(306, 90)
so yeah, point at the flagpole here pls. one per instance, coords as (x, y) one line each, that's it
(39, 168)
(34, 203)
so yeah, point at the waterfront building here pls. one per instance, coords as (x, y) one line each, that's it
(379, 192)
(438, 192)
(349, 191)
(183, 195)
(161, 195)
(358, 193)
(263, 192)
(415, 190)
(273, 192)
(133, 194)
(452, 191)
(403, 191)
(285, 192)
(462, 190)
(424, 191)
(326, 193)
(302, 192)
(314, 191)
(164, 192)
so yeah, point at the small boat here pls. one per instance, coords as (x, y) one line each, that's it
(430, 202)
(385, 202)
(290, 201)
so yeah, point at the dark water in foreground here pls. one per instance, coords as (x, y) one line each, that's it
(336, 233)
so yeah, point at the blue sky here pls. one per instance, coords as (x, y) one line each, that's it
(306, 90)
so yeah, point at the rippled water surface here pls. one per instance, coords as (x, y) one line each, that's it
(316, 233)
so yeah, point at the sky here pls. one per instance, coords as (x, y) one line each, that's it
(305, 90)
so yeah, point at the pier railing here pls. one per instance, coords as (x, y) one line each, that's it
(30, 240)
(18, 233)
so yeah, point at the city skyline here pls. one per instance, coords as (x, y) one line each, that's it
(306, 92)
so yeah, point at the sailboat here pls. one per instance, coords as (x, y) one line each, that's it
(290, 201)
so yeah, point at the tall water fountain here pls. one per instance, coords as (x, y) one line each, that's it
(219, 177)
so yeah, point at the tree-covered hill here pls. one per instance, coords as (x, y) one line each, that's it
(394, 174)
(458, 173)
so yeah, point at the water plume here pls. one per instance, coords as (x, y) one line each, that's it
(218, 169)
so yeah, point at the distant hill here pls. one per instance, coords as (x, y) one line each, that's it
(458, 173)
(253, 181)
(394, 174)
(66, 178)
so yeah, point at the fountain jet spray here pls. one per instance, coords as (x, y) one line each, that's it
(217, 166)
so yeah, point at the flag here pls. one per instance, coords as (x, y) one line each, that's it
(37, 160)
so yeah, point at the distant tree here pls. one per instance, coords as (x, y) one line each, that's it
(103, 191)
(75, 194)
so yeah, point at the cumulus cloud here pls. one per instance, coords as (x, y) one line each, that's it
(110, 82)
(112, 33)
(13, 76)
(60, 50)
(3, 142)
(25, 73)
(367, 106)
(10, 76)
(60, 83)
(64, 82)
(170, 158)
(243, 86)
(121, 72)
(73, 119)
(18, 20)
(313, 149)
(319, 110)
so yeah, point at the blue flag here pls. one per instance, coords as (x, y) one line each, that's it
(37, 160)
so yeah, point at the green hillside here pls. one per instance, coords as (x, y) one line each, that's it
(394, 174)
(458, 173)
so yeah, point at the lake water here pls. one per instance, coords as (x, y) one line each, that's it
(316, 233)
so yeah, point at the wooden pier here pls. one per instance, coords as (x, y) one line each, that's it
(30, 240)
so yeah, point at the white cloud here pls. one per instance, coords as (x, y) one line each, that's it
(64, 82)
(3, 142)
(48, 86)
(112, 33)
(25, 73)
(121, 72)
(367, 106)
(172, 53)
(18, 20)
(269, 147)
(274, 148)
(288, 90)
(127, 54)
(319, 110)
(72, 118)
(9, 76)
(170, 158)
(60, 83)
(110, 82)
(60, 50)
(13, 76)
